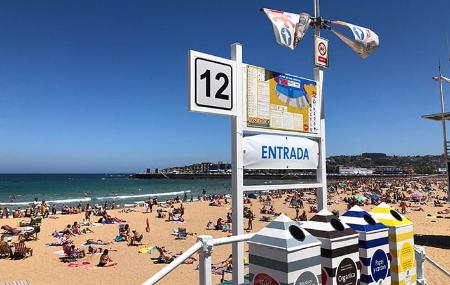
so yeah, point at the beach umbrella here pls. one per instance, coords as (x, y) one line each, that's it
(361, 198)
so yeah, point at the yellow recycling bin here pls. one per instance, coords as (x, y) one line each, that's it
(401, 244)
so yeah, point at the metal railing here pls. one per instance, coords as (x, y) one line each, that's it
(420, 260)
(205, 245)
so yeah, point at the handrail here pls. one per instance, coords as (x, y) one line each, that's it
(206, 244)
(203, 242)
(435, 264)
(171, 266)
(420, 259)
(231, 239)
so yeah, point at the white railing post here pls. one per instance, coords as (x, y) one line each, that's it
(420, 259)
(204, 260)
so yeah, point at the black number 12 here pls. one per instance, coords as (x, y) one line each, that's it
(219, 94)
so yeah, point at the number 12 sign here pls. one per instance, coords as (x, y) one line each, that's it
(211, 86)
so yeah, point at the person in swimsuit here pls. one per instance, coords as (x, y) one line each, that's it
(105, 260)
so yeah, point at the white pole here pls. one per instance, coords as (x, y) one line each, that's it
(322, 192)
(204, 259)
(237, 169)
(419, 253)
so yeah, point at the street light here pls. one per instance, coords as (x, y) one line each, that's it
(442, 116)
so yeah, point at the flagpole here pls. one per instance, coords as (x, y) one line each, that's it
(322, 168)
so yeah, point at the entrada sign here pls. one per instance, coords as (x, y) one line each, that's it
(280, 152)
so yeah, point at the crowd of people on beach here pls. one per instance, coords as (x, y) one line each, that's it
(408, 194)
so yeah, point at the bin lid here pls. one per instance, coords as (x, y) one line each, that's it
(361, 221)
(389, 217)
(283, 233)
(326, 225)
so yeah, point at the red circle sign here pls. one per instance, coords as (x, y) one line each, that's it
(264, 279)
(322, 49)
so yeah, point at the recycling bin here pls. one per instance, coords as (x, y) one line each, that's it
(340, 250)
(373, 246)
(401, 244)
(284, 253)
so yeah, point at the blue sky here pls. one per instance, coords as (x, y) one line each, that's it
(101, 86)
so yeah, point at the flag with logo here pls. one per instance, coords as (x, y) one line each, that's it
(365, 40)
(289, 28)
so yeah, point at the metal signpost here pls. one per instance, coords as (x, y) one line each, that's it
(271, 105)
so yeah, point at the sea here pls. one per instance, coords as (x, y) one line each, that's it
(19, 190)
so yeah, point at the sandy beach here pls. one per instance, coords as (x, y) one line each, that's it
(44, 267)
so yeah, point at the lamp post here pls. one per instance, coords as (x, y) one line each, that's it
(439, 79)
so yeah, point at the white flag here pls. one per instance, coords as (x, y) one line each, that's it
(366, 41)
(287, 26)
(302, 26)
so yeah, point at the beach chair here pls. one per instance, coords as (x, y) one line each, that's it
(21, 251)
(182, 233)
(5, 250)
(29, 235)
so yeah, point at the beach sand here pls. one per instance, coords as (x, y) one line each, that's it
(44, 266)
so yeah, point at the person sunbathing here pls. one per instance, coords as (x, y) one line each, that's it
(68, 230)
(220, 223)
(167, 257)
(105, 260)
(124, 231)
(11, 230)
(444, 212)
(135, 237)
(71, 251)
(96, 242)
(227, 263)
(92, 250)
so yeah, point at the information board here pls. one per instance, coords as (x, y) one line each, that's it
(281, 102)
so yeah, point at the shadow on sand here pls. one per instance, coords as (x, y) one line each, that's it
(438, 241)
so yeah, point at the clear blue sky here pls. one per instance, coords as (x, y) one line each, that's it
(101, 86)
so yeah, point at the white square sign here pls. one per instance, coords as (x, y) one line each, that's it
(321, 52)
(211, 84)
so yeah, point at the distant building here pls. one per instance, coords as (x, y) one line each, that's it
(387, 170)
(442, 170)
(156, 171)
(355, 170)
(148, 171)
(373, 154)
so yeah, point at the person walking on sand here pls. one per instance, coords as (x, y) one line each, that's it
(250, 221)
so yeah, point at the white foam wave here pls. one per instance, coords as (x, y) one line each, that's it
(62, 201)
(121, 197)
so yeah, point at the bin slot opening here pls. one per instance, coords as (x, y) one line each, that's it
(337, 224)
(396, 215)
(297, 233)
(368, 218)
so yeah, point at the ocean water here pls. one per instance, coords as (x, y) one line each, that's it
(18, 190)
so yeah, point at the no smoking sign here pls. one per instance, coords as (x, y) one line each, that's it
(321, 52)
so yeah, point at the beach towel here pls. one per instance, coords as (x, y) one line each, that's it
(17, 282)
(147, 249)
(59, 253)
(119, 239)
(82, 264)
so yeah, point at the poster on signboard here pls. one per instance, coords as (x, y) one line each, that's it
(281, 102)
